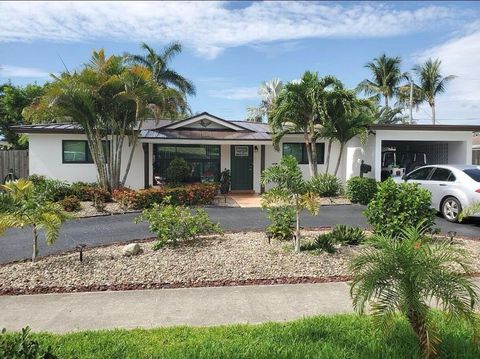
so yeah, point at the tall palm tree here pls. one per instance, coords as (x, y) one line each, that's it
(268, 92)
(158, 64)
(386, 77)
(408, 274)
(299, 109)
(431, 82)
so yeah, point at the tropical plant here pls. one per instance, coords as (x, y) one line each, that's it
(389, 115)
(110, 101)
(409, 273)
(173, 223)
(282, 222)
(323, 242)
(268, 92)
(22, 346)
(386, 78)
(396, 206)
(361, 189)
(70, 204)
(469, 211)
(20, 206)
(326, 185)
(177, 171)
(158, 65)
(225, 181)
(300, 108)
(344, 234)
(290, 190)
(431, 82)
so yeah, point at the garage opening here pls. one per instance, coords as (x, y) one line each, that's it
(402, 157)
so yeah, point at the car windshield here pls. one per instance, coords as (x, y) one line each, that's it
(474, 173)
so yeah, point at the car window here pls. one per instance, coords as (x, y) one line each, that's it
(474, 173)
(442, 174)
(420, 174)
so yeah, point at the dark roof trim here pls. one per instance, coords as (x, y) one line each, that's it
(50, 128)
(401, 127)
(176, 123)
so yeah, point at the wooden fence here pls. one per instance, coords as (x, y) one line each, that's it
(13, 161)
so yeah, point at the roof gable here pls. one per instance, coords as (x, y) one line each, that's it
(205, 121)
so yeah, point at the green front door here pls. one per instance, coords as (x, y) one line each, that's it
(241, 162)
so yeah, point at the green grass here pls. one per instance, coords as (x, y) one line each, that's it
(340, 336)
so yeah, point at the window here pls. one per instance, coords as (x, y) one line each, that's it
(442, 174)
(204, 160)
(77, 151)
(420, 174)
(474, 174)
(299, 151)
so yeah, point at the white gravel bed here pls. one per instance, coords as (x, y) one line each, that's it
(234, 256)
(88, 210)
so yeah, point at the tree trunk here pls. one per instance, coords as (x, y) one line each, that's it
(35, 243)
(329, 149)
(309, 155)
(313, 145)
(297, 231)
(386, 101)
(433, 113)
(419, 326)
(339, 158)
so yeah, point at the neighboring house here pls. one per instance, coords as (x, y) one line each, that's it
(476, 150)
(210, 144)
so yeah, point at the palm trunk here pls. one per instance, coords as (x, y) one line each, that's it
(339, 158)
(433, 113)
(329, 149)
(313, 146)
(309, 154)
(297, 229)
(35, 243)
(386, 101)
(419, 326)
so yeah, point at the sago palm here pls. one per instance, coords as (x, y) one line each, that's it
(21, 207)
(386, 78)
(431, 82)
(407, 275)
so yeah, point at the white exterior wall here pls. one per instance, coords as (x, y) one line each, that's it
(45, 158)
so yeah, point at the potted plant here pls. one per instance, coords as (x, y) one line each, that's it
(225, 181)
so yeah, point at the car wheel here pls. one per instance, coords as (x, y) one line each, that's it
(451, 209)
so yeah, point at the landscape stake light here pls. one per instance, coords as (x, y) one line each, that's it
(80, 250)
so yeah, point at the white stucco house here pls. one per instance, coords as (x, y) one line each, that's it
(210, 144)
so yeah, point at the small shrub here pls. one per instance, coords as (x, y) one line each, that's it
(225, 181)
(343, 234)
(125, 197)
(178, 171)
(22, 346)
(37, 179)
(51, 189)
(326, 185)
(361, 189)
(83, 190)
(97, 194)
(398, 206)
(282, 222)
(323, 242)
(70, 204)
(176, 223)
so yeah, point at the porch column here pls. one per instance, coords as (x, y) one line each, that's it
(146, 165)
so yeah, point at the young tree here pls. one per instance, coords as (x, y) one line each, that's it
(268, 93)
(20, 207)
(431, 82)
(404, 274)
(299, 109)
(290, 190)
(386, 78)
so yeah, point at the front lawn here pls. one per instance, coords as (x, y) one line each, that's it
(340, 336)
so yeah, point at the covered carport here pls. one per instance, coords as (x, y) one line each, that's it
(441, 144)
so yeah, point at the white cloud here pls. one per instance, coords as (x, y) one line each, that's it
(460, 56)
(210, 27)
(236, 93)
(8, 71)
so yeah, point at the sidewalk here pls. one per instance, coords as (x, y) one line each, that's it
(170, 307)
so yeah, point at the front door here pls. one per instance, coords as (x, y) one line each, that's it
(241, 163)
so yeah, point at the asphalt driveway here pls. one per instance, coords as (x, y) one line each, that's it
(15, 244)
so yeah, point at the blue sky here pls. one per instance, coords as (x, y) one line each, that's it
(231, 47)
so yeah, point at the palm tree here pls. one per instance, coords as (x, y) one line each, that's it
(405, 275)
(268, 92)
(386, 77)
(300, 109)
(21, 207)
(389, 115)
(290, 190)
(431, 82)
(158, 64)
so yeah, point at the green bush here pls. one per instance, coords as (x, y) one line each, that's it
(361, 189)
(323, 242)
(70, 204)
(51, 189)
(343, 234)
(177, 223)
(398, 206)
(178, 171)
(282, 222)
(83, 190)
(326, 185)
(22, 346)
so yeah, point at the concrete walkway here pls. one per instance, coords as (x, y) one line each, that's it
(168, 307)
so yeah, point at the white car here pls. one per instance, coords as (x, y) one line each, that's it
(453, 187)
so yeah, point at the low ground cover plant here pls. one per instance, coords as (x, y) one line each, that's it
(282, 222)
(70, 204)
(340, 235)
(22, 346)
(172, 223)
(326, 185)
(397, 206)
(361, 189)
